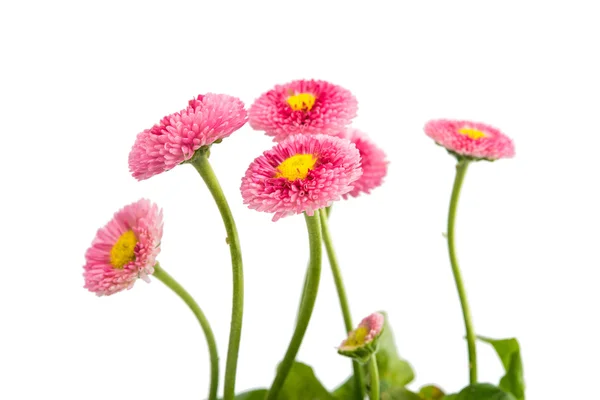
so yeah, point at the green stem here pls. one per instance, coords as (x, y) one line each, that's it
(374, 372)
(200, 162)
(308, 302)
(341, 291)
(461, 170)
(165, 278)
(301, 305)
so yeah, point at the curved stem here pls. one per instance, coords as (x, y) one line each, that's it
(341, 291)
(165, 278)
(374, 371)
(301, 305)
(200, 162)
(461, 170)
(308, 302)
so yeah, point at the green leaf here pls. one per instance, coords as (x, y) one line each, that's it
(431, 392)
(256, 394)
(302, 384)
(392, 368)
(346, 391)
(394, 372)
(509, 352)
(398, 393)
(481, 391)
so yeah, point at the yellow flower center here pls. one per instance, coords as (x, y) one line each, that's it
(123, 251)
(301, 101)
(474, 134)
(296, 167)
(357, 337)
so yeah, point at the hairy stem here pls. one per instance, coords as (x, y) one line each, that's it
(200, 162)
(461, 170)
(172, 284)
(309, 297)
(359, 378)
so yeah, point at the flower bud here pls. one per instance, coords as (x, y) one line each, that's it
(362, 342)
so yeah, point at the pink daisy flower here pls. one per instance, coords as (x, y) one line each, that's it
(301, 174)
(361, 343)
(470, 139)
(303, 106)
(373, 163)
(125, 249)
(207, 119)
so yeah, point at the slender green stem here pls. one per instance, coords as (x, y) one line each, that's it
(200, 162)
(374, 372)
(461, 170)
(341, 291)
(165, 278)
(301, 305)
(337, 274)
(308, 302)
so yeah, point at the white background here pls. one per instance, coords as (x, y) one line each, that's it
(79, 80)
